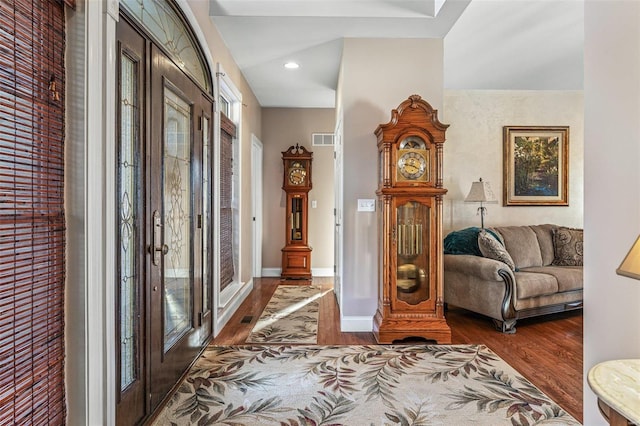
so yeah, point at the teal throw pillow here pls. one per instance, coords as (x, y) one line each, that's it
(464, 241)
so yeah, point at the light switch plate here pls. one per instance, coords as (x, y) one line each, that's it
(366, 205)
(314, 204)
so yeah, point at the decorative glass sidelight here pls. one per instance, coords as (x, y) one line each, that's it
(206, 216)
(127, 217)
(412, 242)
(177, 211)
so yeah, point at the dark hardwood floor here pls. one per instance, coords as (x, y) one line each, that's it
(547, 350)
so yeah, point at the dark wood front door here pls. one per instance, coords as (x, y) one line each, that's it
(175, 209)
(164, 123)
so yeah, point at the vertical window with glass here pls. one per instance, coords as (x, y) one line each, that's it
(229, 101)
(127, 217)
(206, 217)
(177, 218)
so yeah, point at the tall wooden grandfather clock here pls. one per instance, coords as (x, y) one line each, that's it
(410, 193)
(296, 254)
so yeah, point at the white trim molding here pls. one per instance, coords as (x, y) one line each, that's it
(90, 209)
(322, 272)
(271, 272)
(231, 307)
(360, 323)
(316, 272)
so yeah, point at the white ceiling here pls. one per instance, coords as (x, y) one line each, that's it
(489, 44)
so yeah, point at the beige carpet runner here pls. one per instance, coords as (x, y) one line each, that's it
(358, 385)
(291, 316)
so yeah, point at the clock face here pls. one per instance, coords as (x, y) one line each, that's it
(297, 175)
(412, 165)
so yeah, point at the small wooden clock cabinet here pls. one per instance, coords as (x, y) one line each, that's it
(410, 195)
(296, 254)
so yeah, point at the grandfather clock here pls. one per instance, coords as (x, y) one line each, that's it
(296, 254)
(410, 193)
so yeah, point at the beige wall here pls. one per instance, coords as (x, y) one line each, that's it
(376, 76)
(612, 182)
(474, 149)
(251, 123)
(284, 127)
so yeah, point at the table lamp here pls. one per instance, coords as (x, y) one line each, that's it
(481, 193)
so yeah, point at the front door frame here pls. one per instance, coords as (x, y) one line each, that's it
(91, 47)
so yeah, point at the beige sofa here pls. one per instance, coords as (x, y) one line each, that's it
(538, 285)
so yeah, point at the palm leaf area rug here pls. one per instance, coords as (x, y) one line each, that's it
(291, 316)
(357, 385)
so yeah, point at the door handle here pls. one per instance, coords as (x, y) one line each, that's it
(156, 248)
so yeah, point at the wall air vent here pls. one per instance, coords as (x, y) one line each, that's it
(322, 139)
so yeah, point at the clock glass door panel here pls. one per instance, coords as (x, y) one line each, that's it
(412, 247)
(296, 219)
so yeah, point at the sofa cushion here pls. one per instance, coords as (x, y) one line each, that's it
(522, 244)
(568, 243)
(544, 233)
(493, 249)
(532, 284)
(569, 278)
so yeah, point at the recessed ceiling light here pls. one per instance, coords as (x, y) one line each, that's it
(291, 65)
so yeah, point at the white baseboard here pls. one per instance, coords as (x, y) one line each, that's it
(229, 293)
(356, 324)
(322, 272)
(316, 272)
(271, 272)
(232, 306)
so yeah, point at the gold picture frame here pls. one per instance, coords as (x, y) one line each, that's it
(536, 165)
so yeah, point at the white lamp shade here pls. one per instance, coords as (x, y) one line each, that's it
(481, 193)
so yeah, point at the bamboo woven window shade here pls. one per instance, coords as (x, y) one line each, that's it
(32, 223)
(227, 134)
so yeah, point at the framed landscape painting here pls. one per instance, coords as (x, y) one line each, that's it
(536, 165)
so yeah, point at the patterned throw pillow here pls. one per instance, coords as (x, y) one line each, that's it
(493, 249)
(567, 247)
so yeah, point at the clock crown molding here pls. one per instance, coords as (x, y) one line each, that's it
(297, 151)
(414, 104)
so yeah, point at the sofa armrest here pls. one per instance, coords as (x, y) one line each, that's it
(481, 285)
(480, 267)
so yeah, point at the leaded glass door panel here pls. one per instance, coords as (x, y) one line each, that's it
(175, 208)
